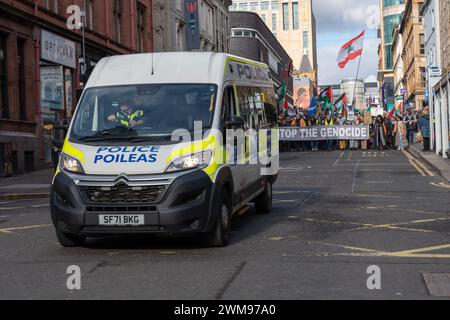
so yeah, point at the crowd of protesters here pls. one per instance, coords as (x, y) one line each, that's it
(395, 131)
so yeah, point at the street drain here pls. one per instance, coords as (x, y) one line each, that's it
(438, 284)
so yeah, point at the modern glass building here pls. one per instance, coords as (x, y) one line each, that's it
(391, 16)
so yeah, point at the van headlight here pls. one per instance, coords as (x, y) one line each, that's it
(197, 160)
(71, 164)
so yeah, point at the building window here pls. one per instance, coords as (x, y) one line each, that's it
(51, 5)
(390, 3)
(117, 13)
(295, 23)
(4, 108)
(305, 42)
(422, 43)
(264, 18)
(265, 5)
(91, 14)
(141, 27)
(21, 79)
(389, 23)
(285, 16)
(254, 6)
(274, 22)
(243, 6)
(275, 5)
(389, 63)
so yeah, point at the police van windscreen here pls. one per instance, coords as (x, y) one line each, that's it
(136, 112)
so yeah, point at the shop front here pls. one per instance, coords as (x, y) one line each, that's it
(57, 72)
(442, 117)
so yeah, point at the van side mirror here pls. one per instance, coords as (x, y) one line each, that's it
(59, 133)
(236, 122)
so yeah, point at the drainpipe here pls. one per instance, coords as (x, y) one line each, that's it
(107, 13)
(37, 67)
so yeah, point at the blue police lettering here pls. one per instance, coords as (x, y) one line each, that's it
(143, 154)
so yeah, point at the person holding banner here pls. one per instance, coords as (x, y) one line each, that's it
(329, 122)
(341, 143)
(313, 122)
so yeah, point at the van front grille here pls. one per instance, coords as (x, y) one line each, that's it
(123, 194)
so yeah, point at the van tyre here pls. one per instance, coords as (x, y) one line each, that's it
(263, 203)
(69, 240)
(220, 233)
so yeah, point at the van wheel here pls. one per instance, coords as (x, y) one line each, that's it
(220, 233)
(263, 203)
(69, 240)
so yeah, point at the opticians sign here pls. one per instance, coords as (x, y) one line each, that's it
(57, 49)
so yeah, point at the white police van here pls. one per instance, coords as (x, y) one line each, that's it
(122, 172)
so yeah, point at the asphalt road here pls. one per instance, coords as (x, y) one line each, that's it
(335, 214)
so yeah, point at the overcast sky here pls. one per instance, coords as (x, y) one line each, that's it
(337, 22)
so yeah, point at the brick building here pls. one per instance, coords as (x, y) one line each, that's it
(41, 66)
(414, 61)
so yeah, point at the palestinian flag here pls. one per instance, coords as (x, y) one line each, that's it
(326, 95)
(341, 101)
(351, 50)
(283, 89)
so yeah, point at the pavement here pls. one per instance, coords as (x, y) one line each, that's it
(337, 217)
(32, 185)
(438, 163)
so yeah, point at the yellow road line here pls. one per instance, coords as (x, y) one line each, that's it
(440, 185)
(364, 252)
(10, 230)
(421, 250)
(416, 163)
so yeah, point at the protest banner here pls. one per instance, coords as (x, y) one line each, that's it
(351, 132)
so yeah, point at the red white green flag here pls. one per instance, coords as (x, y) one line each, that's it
(351, 50)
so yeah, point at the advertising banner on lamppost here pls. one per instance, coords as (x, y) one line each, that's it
(192, 24)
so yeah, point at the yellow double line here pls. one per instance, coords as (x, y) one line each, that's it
(424, 171)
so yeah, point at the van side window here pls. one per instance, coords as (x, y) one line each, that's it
(246, 106)
(228, 104)
(269, 106)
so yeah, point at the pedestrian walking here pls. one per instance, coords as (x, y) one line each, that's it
(424, 127)
(400, 134)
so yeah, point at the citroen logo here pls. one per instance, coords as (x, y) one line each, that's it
(122, 179)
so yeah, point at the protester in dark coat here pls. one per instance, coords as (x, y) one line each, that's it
(379, 133)
(424, 127)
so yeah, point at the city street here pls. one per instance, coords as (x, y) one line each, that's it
(334, 215)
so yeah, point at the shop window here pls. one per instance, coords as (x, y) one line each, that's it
(91, 14)
(4, 108)
(21, 79)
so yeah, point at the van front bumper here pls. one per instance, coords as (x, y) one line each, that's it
(185, 208)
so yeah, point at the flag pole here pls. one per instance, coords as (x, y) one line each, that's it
(359, 65)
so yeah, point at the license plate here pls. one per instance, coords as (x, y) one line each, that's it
(121, 220)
